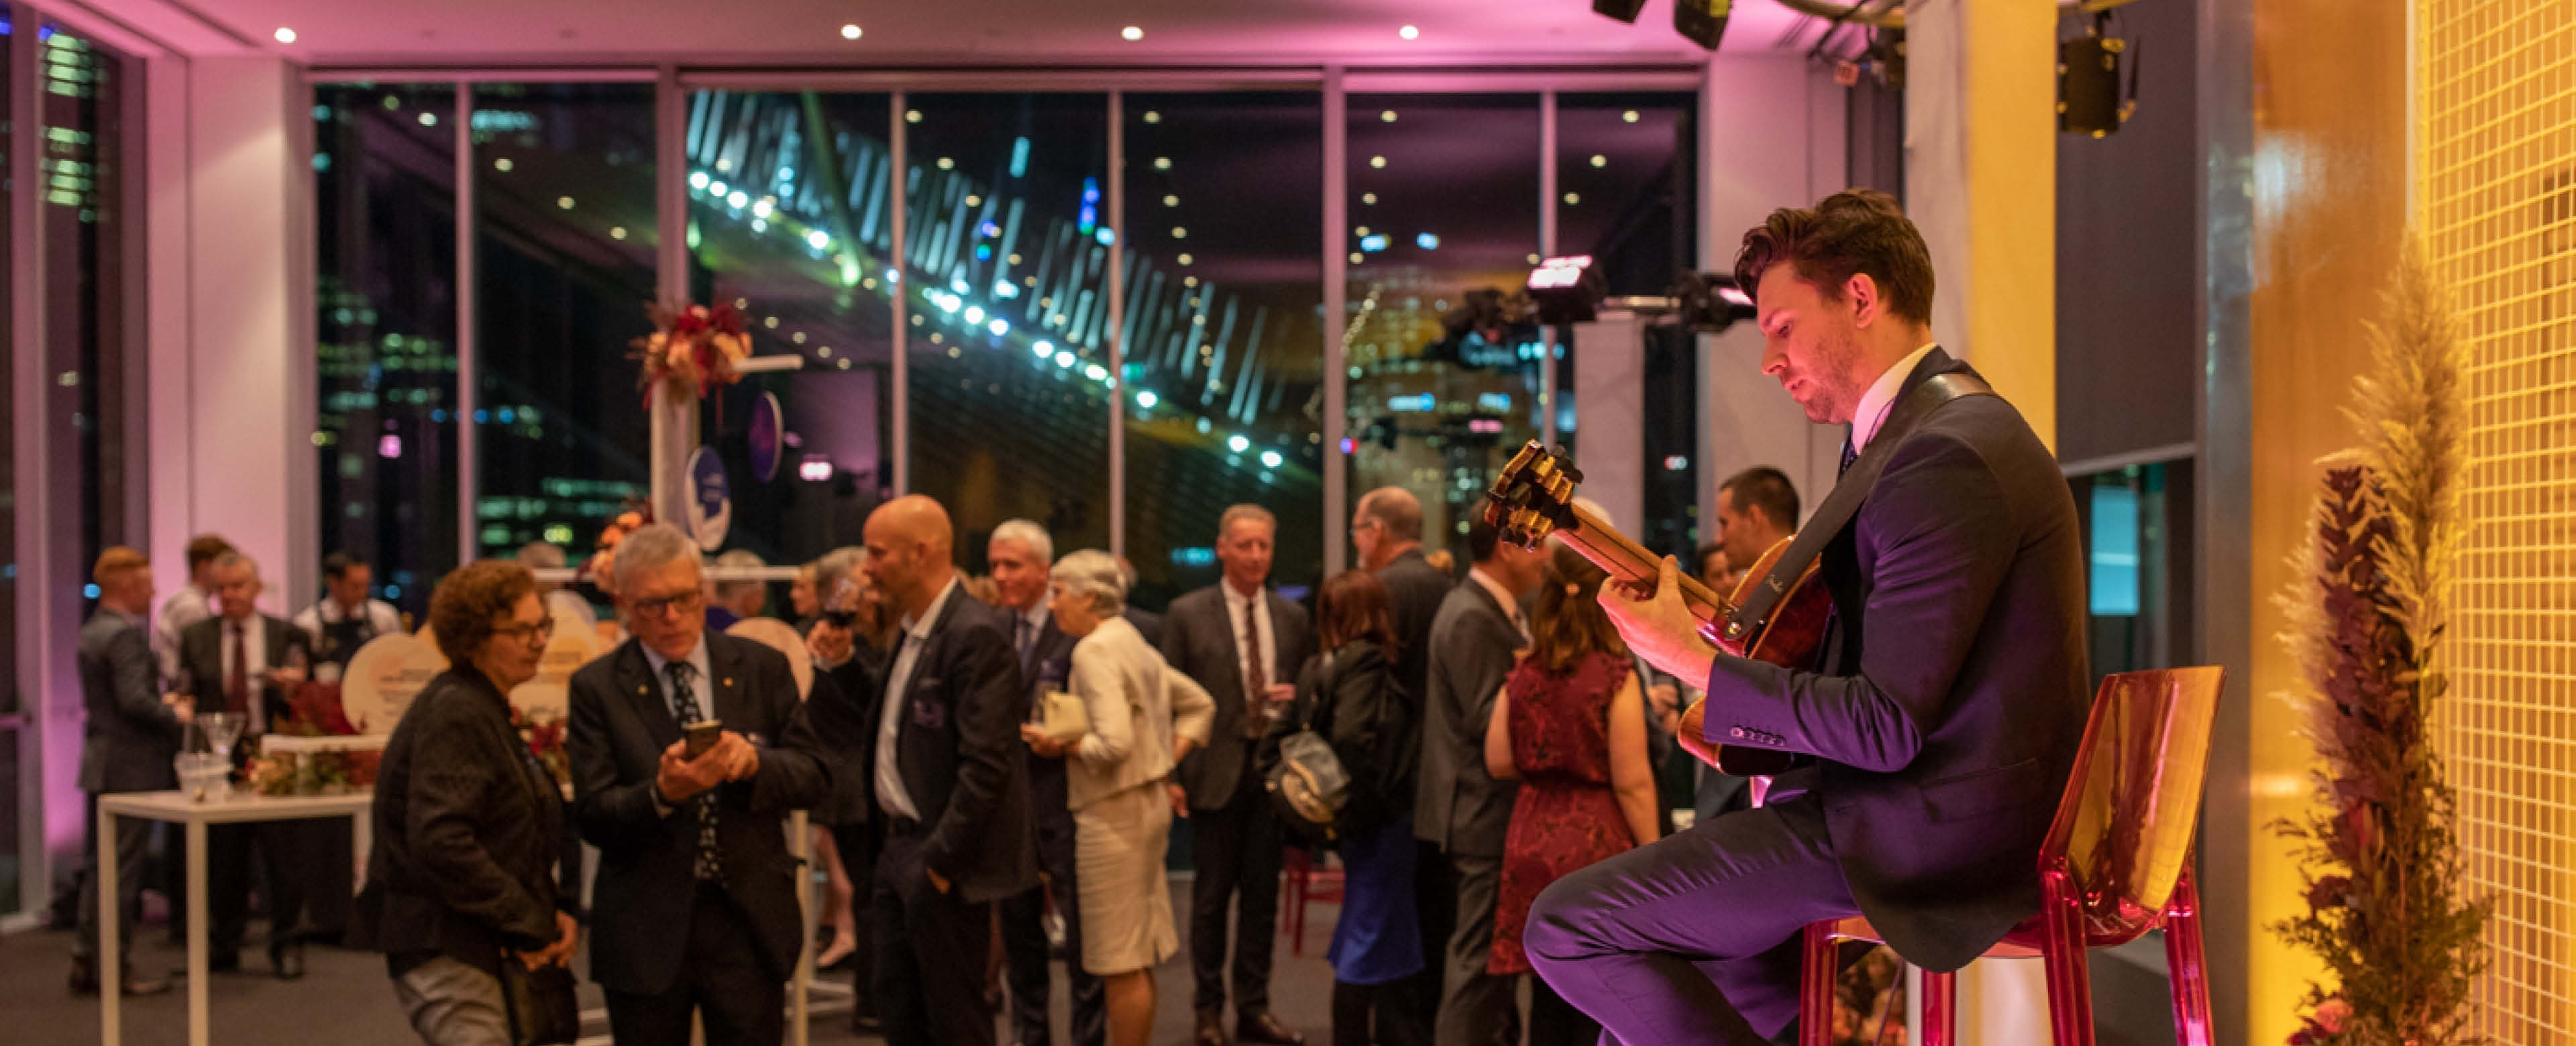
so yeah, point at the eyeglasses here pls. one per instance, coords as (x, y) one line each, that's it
(685, 603)
(541, 631)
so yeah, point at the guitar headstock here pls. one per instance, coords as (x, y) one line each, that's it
(1533, 496)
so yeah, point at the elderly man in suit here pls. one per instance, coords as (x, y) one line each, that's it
(126, 746)
(1457, 805)
(245, 662)
(1386, 528)
(1020, 555)
(937, 741)
(695, 906)
(1945, 715)
(1244, 645)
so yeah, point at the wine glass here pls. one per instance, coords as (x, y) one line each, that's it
(221, 730)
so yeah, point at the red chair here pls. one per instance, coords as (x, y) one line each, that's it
(2117, 863)
(1301, 882)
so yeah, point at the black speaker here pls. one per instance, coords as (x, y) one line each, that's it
(1703, 21)
(1623, 10)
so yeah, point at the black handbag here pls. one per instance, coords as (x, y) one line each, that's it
(543, 1010)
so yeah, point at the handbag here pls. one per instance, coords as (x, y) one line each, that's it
(542, 1007)
(1309, 785)
(1062, 716)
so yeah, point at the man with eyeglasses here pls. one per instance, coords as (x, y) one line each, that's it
(695, 905)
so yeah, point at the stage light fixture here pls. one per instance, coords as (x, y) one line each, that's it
(1703, 21)
(1567, 289)
(2088, 81)
(1623, 10)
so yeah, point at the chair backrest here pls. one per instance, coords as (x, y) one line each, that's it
(2124, 828)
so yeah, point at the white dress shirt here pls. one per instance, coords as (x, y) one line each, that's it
(1258, 605)
(381, 617)
(255, 662)
(889, 777)
(1871, 415)
(697, 659)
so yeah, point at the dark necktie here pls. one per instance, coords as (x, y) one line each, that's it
(1849, 455)
(710, 863)
(1256, 697)
(237, 681)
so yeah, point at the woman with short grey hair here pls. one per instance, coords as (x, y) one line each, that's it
(1145, 718)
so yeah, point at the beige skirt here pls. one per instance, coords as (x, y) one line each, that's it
(1118, 844)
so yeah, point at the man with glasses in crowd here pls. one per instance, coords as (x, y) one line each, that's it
(695, 906)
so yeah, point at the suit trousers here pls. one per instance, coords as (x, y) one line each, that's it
(452, 1004)
(1235, 849)
(1694, 938)
(724, 979)
(1476, 1008)
(281, 856)
(1024, 939)
(932, 950)
(133, 847)
(1435, 905)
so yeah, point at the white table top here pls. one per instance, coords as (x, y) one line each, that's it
(179, 807)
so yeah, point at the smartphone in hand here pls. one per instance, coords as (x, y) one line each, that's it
(702, 735)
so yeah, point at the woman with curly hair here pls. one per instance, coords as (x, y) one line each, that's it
(468, 825)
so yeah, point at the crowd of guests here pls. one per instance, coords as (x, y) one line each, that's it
(996, 764)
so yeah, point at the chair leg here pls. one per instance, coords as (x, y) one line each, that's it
(2183, 957)
(1940, 1009)
(2070, 988)
(1816, 986)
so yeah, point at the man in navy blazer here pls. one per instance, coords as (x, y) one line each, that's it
(1239, 639)
(934, 732)
(1942, 723)
(695, 905)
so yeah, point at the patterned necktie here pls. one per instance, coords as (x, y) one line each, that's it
(237, 681)
(710, 862)
(1849, 455)
(1256, 697)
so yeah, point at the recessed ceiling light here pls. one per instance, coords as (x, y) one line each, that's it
(1599, 160)
(1629, 116)
(1132, 33)
(1388, 116)
(1408, 32)
(285, 35)
(849, 32)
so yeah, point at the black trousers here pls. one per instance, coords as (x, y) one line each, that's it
(1024, 940)
(133, 847)
(1435, 905)
(278, 846)
(723, 978)
(931, 954)
(1236, 850)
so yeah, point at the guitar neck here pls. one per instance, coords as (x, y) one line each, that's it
(1626, 560)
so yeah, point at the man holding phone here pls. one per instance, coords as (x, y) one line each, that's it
(688, 747)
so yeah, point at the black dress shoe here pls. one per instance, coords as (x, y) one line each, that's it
(1211, 1032)
(1265, 1027)
(288, 960)
(224, 962)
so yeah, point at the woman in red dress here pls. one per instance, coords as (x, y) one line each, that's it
(1570, 724)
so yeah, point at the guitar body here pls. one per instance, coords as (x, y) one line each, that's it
(1794, 638)
(1532, 499)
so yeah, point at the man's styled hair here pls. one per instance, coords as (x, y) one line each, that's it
(336, 565)
(1256, 513)
(115, 562)
(1853, 231)
(1396, 511)
(1766, 489)
(1027, 532)
(204, 549)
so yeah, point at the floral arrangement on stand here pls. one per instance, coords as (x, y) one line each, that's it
(2378, 853)
(314, 710)
(544, 736)
(692, 349)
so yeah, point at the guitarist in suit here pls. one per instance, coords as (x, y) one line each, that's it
(244, 661)
(695, 906)
(1020, 555)
(1240, 641)
(1943, 720)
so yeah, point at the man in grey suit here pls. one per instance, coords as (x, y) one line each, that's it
(1458, 806)
(1945, 715)
(126, 746)
(1243, 643)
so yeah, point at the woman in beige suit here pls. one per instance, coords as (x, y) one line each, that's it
(1144, 718)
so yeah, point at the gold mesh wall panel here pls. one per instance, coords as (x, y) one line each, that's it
(2496, 110)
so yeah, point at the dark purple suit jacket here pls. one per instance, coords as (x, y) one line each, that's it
(1957, 694)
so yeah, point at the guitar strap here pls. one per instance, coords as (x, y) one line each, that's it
(1848, 494)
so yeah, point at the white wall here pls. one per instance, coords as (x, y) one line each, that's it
(1771, 136)
(234, 388)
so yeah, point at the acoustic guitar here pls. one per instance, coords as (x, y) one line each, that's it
(1532, 499)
